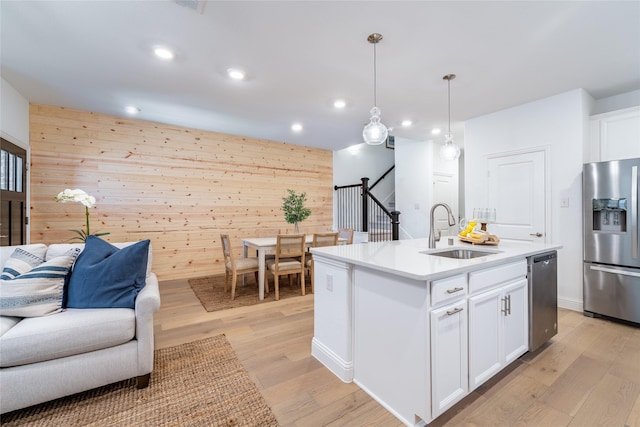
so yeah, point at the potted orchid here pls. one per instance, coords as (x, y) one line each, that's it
(294, 209)
(88, 201)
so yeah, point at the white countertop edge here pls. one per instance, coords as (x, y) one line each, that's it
(404, 258)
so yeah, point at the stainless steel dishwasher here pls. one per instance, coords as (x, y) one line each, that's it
(542, 273)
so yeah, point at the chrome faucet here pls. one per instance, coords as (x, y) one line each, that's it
(452, 221)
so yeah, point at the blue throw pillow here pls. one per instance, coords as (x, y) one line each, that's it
(105, 276)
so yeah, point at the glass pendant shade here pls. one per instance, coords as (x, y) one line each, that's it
(375, 133)
(449, 151)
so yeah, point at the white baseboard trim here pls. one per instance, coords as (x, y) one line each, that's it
(341, 368)
(570, 304)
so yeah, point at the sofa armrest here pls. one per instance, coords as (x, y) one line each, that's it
(147, 303)
(148, 300)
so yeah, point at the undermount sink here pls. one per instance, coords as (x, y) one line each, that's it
(459, 253)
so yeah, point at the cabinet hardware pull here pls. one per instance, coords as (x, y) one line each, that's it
(454, 290)
(454, 311)
(504, 310)
(538, 234)
(509, 304)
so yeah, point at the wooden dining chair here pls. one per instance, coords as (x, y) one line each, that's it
(319, 240)
(346, 233)
(233, 266)
(289, 259)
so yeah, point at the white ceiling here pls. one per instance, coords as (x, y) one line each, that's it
(302, 55)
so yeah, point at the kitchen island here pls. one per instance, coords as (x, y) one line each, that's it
(416, 330)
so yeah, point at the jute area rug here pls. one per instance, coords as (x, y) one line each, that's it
(196, 384)
(210, 291)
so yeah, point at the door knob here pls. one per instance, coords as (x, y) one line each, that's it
(538, 234)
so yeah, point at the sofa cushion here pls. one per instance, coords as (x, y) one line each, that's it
(37, 292)
(73, 331)
(7, 322)
(108, 277)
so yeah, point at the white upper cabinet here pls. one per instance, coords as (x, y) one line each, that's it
(615, 135)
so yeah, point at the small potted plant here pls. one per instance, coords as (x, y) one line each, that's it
(294, 210)
(88, 201)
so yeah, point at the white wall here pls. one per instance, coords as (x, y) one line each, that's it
(560, 123)
(14, 116)
(413, 187)
(416, 163)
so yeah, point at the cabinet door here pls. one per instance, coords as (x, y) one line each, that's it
(485, 321)
(516, 322)
(449, 356)
(615, 135)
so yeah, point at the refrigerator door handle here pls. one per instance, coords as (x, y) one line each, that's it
(634, 212)
(615, 271)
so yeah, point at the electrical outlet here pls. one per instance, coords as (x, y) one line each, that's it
(329, 283)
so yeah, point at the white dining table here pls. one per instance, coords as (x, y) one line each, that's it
(264, 246)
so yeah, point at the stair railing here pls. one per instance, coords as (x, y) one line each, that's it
(359, 209)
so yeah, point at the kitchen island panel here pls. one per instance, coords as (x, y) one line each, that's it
(391, 346)
(332, 342)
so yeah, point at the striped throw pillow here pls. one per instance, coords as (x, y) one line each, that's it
(39, 291)
(22, 261)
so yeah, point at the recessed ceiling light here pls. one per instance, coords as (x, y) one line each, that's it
(132, 110)
(163, 53)
(407, 123)
(436, 131)
(339, 103)
(296, 127)
(236, 74)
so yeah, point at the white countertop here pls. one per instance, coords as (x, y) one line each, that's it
(404, 257)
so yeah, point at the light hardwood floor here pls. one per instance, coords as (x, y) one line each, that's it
(588, 375)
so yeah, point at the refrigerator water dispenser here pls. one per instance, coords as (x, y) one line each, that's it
(609, 215)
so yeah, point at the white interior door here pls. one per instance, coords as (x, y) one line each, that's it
(445, 191)
(517, 186)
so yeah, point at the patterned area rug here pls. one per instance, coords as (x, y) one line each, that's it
(210, 291)
(197, 384)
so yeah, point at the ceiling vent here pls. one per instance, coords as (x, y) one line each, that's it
(197, 5)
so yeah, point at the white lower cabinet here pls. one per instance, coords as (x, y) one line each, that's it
(419, 347)
(498, 330)
(449, 362)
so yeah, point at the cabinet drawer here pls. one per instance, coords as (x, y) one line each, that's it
(484, 279)
(448, 289)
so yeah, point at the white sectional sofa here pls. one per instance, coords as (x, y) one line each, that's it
(44, 358)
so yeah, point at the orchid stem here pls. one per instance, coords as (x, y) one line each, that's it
(87, 215)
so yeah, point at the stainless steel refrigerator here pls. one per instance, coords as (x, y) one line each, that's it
(611, 239)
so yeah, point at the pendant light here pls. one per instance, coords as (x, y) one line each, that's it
(449, 150)
(374, 133)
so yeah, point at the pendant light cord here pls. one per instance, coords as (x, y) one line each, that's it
(375, 83)
(449, 101)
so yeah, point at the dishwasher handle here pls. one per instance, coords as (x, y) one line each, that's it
(546, 258)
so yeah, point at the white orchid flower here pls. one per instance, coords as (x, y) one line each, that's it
(87, 200)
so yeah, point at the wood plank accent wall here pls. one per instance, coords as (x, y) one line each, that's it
(177, 186)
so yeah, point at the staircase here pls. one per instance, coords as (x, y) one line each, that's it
(359, 209)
